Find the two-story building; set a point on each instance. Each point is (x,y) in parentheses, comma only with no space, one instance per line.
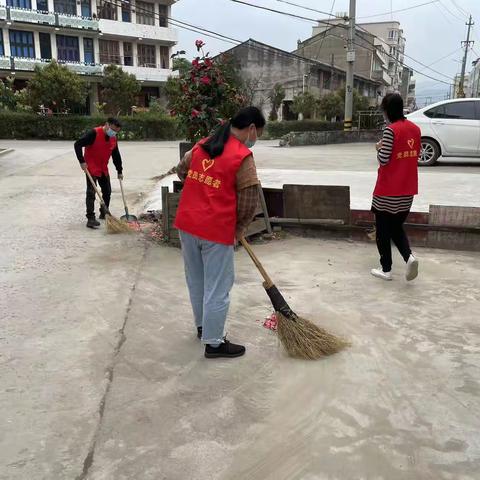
(264,66)
(86,35)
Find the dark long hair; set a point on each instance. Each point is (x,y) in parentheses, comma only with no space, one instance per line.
(392,105)
(245,117)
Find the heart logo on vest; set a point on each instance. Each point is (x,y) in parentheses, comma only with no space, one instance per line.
(206,164)
(411,143)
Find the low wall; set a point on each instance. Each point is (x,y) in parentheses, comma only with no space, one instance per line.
(299,139)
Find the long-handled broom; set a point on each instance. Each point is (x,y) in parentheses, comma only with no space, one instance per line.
(114,225)
(300,337)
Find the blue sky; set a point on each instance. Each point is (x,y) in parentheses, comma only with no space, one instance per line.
(432,31)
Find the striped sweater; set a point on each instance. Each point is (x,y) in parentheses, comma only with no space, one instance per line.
(389,204)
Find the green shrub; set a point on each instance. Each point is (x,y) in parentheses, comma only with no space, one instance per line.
(279,129)
(23,126)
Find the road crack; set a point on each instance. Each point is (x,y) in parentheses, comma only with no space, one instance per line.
(110,371)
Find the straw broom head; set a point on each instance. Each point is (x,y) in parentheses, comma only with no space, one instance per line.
(300,337)
(114,225)
(303,339)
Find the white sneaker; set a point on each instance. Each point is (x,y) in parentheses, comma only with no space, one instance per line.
(376,272)
(412,269)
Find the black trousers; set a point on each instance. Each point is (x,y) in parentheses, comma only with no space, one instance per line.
(104,183)
(390,228)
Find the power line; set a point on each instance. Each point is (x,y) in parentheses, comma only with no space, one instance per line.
(306,8)
(213,34)
(459,8)
(325,35)
(236,42)
(446,56)
(398,11)
(300,17)
(341,26)
(450,12)
(403,53)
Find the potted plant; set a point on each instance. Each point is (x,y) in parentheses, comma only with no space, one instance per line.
(206,92)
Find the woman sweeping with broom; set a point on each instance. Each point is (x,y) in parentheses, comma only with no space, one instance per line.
(218,202)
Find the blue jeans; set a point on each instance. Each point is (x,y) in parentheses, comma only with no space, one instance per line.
(210,274)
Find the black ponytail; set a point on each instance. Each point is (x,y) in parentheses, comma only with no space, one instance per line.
(245,117)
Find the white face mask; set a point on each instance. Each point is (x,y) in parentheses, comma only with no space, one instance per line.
(250,143)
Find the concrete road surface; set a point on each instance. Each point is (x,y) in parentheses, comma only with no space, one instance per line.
(102,377)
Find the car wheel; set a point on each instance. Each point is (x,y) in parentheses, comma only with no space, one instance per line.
(429,154)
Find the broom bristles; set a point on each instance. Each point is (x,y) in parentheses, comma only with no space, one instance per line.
(114,225)
(303,339)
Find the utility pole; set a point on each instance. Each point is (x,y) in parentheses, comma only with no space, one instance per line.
(466,44)
(347,126)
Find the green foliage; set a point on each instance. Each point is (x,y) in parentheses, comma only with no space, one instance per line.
(157,106)
(57,88)
(204,95)
(148,126)
(279,129)
(359,101)
(330,106)
(305,104)
(182,65)
(8,99)
(119,90)
(277,96)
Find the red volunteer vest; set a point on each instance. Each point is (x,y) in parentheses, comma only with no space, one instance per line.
(208,204)
(98,154)
(400,175)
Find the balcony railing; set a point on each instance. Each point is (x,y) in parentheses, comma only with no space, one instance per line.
(73,21)
(48,18)
(30,16)
(29,64)
(5,63)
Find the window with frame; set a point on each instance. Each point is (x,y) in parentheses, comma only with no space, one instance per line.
(392,34)
(107,10)
(163,17)
(86,7)
(145,13)
(42,5)
(20,4)
(67,49)
(88,51)
(45,46)
(65,6)
(22,44)
(126,12)
(460,111)
(327,77)
(109,52)
(128,54)
(164,57)
(454,111)
(2,48)
(146,56)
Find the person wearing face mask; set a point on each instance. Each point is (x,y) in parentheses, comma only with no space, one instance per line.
(100,144)
(218,201)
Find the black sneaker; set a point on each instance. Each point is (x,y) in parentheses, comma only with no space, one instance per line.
(225,350)
(199,332)
(102,214)
(92,223)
